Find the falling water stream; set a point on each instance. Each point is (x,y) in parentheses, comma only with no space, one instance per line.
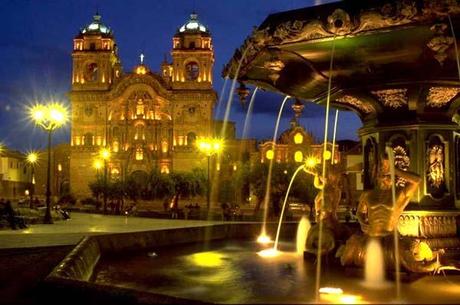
(270,168)
(230,96)
(374,265)
(221,97)
(334,135)
(247,119)
(395,230)
(302,233)
(326,124)
(278,230)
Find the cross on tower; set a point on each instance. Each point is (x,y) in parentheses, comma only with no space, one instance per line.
(142,58)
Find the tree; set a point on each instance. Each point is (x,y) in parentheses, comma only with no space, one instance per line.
(188,184)
(301,189)
(131,188)
(160,185)
(97,188)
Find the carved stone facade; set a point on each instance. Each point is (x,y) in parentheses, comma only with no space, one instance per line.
(147,120)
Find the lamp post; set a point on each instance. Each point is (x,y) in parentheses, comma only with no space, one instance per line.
(49,117)
(32,159)
(104,154)
(209,147)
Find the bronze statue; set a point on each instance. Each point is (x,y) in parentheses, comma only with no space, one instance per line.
(326,203)
(376,213)
(379,216)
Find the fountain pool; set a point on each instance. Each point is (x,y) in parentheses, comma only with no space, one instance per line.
(119,270)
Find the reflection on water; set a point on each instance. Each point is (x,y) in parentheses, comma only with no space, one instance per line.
(232,272)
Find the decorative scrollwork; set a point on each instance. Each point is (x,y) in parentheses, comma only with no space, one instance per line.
(440,43)
(393,98)
(441,96)
(356,103)
(339,22)
(435,159)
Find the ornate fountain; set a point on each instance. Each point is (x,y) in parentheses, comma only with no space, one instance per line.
(395,64)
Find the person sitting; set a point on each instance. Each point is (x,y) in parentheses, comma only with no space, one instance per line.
(14,220)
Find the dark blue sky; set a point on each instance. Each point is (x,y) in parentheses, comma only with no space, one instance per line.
(36,42)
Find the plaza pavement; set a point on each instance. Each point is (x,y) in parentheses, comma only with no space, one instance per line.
(70,232)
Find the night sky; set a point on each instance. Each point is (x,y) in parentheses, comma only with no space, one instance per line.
(36,44)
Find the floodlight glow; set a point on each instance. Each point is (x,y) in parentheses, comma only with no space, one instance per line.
(104,153)
(32,157)
(263,239)
(310,162)
(97,164)
(50,116)
(272,252)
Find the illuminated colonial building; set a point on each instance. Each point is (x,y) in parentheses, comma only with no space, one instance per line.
(295,144)
(15,174)
(149,120)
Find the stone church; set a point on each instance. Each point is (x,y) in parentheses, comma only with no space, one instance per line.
(148,120)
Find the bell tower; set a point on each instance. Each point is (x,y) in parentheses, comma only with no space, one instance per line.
(192,56)
(95,60)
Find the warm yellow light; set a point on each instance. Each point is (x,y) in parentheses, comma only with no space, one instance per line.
(98,164)
(141,70)
(207,259)
(336,296)
(331,290)
(327,155)
(38,113)
(310,162)
(59,167)
(270,154)
(298,138)
(104,153)
(210,146)
(32,157)
(49,116)
(272,252)
(263,239)
(298,156)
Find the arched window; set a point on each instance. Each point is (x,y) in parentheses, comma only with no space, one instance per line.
(115,146)
(115,174)
(164,169)
(140,108)
(88,139)
(164,146)
(139,154)
(192,71)
(191,139)
(298,138)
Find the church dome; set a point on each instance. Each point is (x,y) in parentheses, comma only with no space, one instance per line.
(96,27)
(193,25)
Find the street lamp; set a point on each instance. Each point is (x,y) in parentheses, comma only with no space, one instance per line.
(32,159)
(104,154)
(49,117)
(209,147)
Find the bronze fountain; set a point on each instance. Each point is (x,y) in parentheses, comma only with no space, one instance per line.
(395,64)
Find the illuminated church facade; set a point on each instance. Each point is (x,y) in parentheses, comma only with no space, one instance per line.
(148,120)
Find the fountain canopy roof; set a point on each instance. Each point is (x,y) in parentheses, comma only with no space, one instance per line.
(384,54)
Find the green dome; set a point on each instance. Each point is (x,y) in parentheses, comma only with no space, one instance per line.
(96,27)
(193,25)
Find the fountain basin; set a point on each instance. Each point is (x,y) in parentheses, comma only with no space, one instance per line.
(119,269)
